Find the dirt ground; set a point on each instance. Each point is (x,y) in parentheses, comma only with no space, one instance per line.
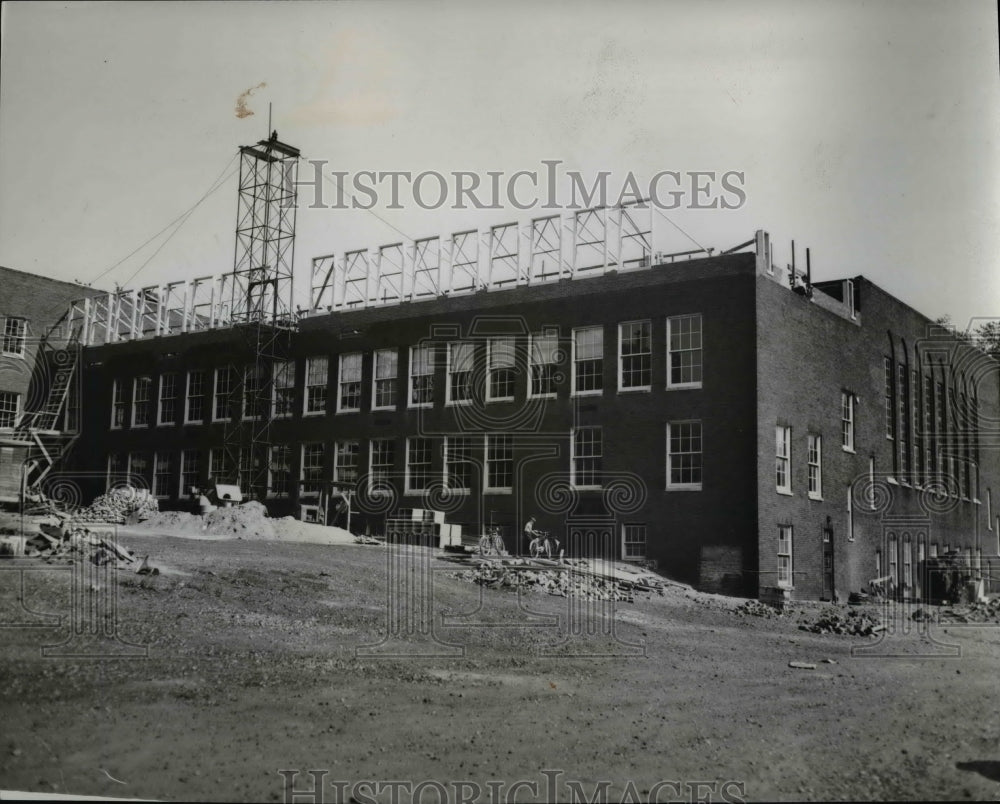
(247,665)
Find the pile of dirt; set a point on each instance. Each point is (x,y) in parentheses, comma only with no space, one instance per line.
(246,521)
(854,622)
(118,506)
(556,581)
(755,608)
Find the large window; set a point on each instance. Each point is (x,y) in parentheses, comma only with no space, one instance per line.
(167,409)
(317,376)
(279,470)
(588,360)
(634,542)
(386,372)
(381,461)
(684,465)
(783,459)
(890,400)
(15,331)
(499,462)
(163,474)
(585,460)
(634,356)
(847,421)
(349,385)
(815,450)
(223,393)
(190,470)
(116,468)
(421,376)
(345,465)
(418,464)
(10,404)
(119,404)
(218,464)
(283,389)
(138,468)
(458,463)
(784,555)
(141,388)
(194,406)
(903,397)
(460,364)
(542,360)
(501,372)
(254,406)
(311,474)
(684,347)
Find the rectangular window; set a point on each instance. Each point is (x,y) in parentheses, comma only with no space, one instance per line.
(634,542)
(381,461)
(116,470)
(283,389)
(930,445)
(500,369)
(311,473)
(349,386)
(190,470)
(499,462)
(585,460)
(345,465)
(15,331)
(588,360)
(10,404)
(684,465)
(893,550)
(783,459)
(460,364)
(163,474)
(223,393)
(458,463)
(218,465)
(418,464)
(141,387)
(279,470)
(253,383)
(386,371)
(543,365)
(784,555)
(167,409)
(684,344)
(317,378)
(850,514)
(119,404)
(138,468)
(915,422)
(890,401)
(421,376)
(194,406)
(634,356)
(940,427)
(903,431)
(847,421)
(815,449)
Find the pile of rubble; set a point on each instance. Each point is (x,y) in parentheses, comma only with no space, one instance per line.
(754,608)
(978,612)
(70,542)
(854,622)
(118,506)
(246,521)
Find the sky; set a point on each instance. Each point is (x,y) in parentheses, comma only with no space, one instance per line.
(867,131)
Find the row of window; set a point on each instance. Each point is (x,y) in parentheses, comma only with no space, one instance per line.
(494,452)
(474,370)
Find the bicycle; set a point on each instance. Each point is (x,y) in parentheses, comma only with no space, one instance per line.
(543,545)
(491,542)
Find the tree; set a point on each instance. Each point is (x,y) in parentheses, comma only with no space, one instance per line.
(987,337)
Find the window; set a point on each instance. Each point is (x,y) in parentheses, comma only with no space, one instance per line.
(223,392)
(989,509)
(784,555)
(458,463)
(815,449)
(684,455)
(349,387)
(279,470)
(317,375)
(928,427)
(138,469)
(345,464)
(542,357)
(499,462)
(381,461)
(500,377)
(119,405)
(421,376)
(312,467)
(783,462)
(194,406)
(116,468)
(167,409)
(893,550)
(10,405)
(218,464)
(915,424)
(460,363)
(163,474)
(850,514)
(634,355)
(386,371)
(283,388)
(14,332)
(585,461)
(253,381)
(634,542)
(684,351)
(140,401)
(418,464)
(934,550)
(847,421)
(940,425)
(190,466)
(903,428)
(890,406)
(588,360)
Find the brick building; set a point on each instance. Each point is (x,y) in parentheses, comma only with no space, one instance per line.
(700,413)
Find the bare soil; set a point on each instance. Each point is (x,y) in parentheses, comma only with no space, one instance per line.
(251,668)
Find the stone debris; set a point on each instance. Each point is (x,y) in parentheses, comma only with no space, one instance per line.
(118,506)
(853,622)
(985,611)
(72,541)
(754,608)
